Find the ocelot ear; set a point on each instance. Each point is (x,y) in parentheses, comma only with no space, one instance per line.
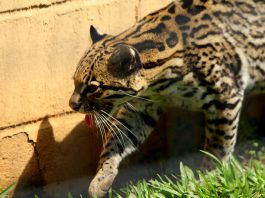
(123,61)
(95,35)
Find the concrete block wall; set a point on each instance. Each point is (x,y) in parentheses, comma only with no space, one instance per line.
(41,41)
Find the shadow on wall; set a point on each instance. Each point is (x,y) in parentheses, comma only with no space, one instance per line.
(73,160)
(57,168)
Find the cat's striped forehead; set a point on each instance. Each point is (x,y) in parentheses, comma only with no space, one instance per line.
(84,72)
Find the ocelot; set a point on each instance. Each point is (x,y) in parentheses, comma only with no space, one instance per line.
(203,55)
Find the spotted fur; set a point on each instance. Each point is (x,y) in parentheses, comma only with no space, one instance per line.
(203,55)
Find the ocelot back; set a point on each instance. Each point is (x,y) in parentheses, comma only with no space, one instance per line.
(203,55)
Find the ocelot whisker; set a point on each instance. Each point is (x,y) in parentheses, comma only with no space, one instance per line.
(118,122)
(98,126)
(121,132)
(111,128)
(102,124)
(112,125)
(102,121)
(92,117)
(131,106)
(138,97)
(108,127)
(105,122)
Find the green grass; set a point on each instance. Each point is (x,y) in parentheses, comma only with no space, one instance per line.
(227,180)
(4,192)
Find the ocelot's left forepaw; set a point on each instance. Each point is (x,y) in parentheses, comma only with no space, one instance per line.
(102,183)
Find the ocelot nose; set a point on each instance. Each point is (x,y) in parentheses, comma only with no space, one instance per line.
(74,102)
(74,106)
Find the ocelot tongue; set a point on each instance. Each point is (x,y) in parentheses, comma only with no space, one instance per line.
(89,121)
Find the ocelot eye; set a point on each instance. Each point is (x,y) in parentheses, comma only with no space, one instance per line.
(89,89)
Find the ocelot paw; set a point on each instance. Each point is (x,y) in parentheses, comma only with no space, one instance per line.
(102,183)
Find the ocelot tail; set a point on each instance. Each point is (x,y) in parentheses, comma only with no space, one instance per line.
(203,55)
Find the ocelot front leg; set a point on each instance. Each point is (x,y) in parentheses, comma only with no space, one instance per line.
(222,119)
(127,129)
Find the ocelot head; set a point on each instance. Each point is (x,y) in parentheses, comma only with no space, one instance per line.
(108,75)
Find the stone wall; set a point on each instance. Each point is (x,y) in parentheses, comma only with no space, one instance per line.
(41,41)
